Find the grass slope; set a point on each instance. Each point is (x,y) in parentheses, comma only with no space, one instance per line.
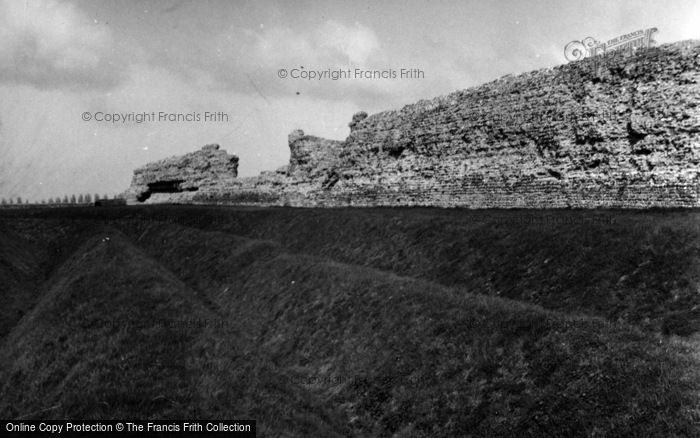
(403,342)
(30,251)
(118,336)
(19,263)
(640,267)
(404,357)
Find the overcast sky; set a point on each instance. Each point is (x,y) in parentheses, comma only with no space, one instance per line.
(61,59)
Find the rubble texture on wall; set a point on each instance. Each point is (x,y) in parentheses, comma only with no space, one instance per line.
(202,169)
(620,133)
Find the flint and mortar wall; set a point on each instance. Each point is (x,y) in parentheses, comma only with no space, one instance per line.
(624,132)
(207,167)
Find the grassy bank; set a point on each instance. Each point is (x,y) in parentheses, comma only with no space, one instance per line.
(303,340)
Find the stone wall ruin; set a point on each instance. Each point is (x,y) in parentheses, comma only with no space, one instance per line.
(624,133)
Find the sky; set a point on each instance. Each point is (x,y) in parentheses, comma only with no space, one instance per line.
(237,73)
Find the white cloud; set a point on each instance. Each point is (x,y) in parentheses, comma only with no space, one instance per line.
(49,43)
(331,44)
(247,60)
(356,43)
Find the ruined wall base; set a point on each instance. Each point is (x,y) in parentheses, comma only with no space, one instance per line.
(531,195)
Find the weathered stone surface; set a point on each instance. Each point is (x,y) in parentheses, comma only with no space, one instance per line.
(622,133)
(310,157)
(356,119)
(206,168)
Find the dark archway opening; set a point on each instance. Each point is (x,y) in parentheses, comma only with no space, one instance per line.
(169,186)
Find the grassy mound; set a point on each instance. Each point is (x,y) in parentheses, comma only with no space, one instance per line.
(639,267)
(312,345)
(19,263)
(412,358)
(118,336)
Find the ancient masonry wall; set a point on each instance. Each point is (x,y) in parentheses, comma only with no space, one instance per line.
(203,169)
(621,133)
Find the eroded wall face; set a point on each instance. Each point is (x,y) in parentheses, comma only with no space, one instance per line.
(311,157)
(620,132)
(625,134)
(206,168)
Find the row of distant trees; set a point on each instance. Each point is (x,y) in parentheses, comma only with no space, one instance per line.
(72,199)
